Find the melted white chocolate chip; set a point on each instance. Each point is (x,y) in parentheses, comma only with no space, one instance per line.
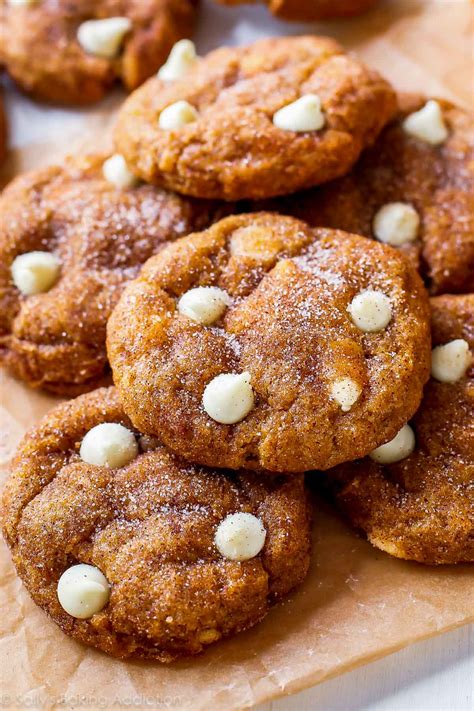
(109,445)
(304,114)
(103,38)
(396,223)
(370,310)
(450,361)
(83,591)
(345,392)
(427,124)
(240,536)
(204,304)
(228,398)
(180,60)
(400,447)
(35,272)
(117,172)
(177,115)
(252,243)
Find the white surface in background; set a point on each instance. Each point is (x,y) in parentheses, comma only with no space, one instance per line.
(436,675)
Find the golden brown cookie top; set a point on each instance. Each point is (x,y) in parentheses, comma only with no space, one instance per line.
(437,181)
(45,48)
(422,507)
(310,10)
(230,140)
(323,339)
(98,235)
(150,527)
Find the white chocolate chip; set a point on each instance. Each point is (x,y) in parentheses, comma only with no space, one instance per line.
(252,243)
(35,272)
(427,124)
(228,398)
(450,362)
(177,115)
(396,223)
(370,310)
(116,172)
(180,60)
(83,591)
(400,447)
(205,304)
(103,38)
(240,536)
(109,445)
(345,392)
(21,3)
(304,114)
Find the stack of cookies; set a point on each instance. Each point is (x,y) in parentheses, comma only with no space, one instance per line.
(276,268)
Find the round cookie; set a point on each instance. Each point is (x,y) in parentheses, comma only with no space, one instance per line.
(281,377)
(256,121)
(153,528)
(96,236)
(46,50)
(436,180)
(422,507)
(310,10)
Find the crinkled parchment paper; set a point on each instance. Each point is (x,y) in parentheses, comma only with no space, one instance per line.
(357,604)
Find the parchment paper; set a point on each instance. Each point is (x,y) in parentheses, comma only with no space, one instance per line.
(357,604)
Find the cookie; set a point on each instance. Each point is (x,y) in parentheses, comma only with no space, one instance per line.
(73,51)
(171,557)
(256,121)
(416,501)
(69,241)
(262,343)
(310,10)
(409,192)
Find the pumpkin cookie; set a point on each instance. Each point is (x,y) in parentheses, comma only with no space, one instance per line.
(135,552)
(266,344)
(71,236)
(414,189)
(73,51)
(257,121)
(310,10)
(415,497)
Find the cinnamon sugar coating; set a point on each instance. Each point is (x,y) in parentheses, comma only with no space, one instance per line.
(438,181)
(56,340)
(39,47)
(149,527)
(310,10)
(422,508)
(287,326)
(233,150)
